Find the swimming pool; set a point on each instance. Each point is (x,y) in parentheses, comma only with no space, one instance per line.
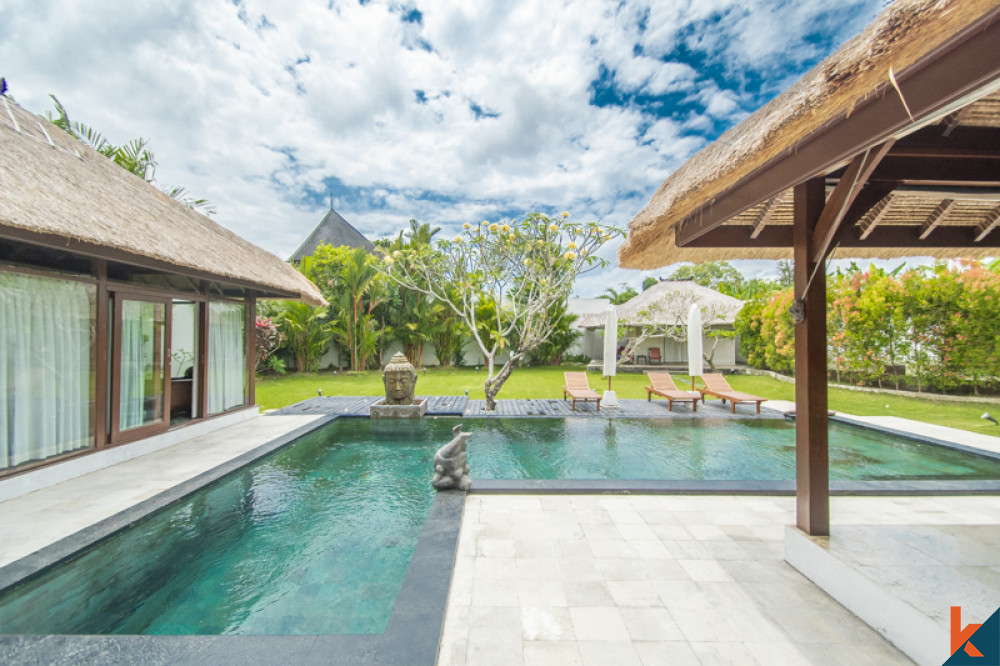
(316,538)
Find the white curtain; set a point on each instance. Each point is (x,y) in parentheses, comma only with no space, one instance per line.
(137,353)
(226,359)
(46,333)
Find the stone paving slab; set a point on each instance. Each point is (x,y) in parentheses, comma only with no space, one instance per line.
(640,579)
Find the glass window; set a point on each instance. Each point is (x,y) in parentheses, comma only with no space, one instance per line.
(47,329)
(226,356)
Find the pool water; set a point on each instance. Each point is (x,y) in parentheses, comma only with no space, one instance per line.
(314,539)
(317,537)
(700,449)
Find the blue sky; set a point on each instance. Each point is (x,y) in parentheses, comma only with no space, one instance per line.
(447,112)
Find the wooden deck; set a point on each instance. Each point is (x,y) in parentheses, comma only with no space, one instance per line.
(462,406)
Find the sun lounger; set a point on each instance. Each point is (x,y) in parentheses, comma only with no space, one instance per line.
(716,385)
(578,388)
(663,385)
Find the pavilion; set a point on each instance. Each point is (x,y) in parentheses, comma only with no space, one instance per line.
(890,147)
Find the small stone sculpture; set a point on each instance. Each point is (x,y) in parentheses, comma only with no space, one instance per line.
(451,469)
(400,379)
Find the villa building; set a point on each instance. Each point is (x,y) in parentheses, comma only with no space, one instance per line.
(125,314)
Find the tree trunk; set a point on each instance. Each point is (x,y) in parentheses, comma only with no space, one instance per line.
(493,385)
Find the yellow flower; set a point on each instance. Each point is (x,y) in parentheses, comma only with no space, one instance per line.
(466,226)
(485,223)
(458,239)
(494,226)
(565,214)
(527,261)
(570,255)
(396,253)
(388,259)
(505,228)
(583,252)
(607,237)
(511,237)
(553,228)
(571,245)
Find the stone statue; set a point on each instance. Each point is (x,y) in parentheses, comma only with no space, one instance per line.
(451,469)
(400,379)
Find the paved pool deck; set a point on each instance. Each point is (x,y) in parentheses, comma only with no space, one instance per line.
(585,578)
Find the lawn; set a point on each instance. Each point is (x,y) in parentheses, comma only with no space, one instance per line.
(546,382)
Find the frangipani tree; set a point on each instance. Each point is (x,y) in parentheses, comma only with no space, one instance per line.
(518,268)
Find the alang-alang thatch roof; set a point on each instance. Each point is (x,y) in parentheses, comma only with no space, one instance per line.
(914,96)
(57,192)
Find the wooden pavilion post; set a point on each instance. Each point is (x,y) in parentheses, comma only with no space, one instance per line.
(812,473)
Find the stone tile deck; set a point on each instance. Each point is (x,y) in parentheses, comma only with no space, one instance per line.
(638,579)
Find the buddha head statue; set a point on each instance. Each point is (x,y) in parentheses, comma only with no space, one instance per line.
(400,379)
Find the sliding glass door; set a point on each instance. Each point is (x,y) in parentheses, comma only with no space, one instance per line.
(141,369)
(46,368)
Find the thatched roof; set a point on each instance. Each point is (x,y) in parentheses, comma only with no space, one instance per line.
(742,182)
(56,191)
(333,230)
(668,302)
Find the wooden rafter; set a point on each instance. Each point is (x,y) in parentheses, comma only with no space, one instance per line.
(765,216)
(989,223)
(935,218)
(874,216)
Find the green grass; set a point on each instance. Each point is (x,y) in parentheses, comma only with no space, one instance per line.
(546,382)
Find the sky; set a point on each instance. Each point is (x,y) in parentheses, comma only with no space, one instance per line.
(444,112)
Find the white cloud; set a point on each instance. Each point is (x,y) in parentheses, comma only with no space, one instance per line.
(257,105)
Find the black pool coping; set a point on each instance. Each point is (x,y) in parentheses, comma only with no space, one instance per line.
(412,635)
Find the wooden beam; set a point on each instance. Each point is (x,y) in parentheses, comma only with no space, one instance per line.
(842,197)
(812,469)
(765,216)
(973,142)
(250,348)
(988,224)
(935,218)
(933,171)
(102,346)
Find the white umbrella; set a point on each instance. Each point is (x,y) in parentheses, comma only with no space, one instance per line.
(610,354)
(695,365)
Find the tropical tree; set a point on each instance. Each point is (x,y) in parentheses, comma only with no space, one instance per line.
(620,296)
(267,340)
(716,275)
(307,331)
(517,269)
(350,282)
(563,335)
(134,156)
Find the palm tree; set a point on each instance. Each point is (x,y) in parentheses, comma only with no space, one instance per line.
(134,156)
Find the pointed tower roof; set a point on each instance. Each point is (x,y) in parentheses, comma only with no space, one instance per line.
(336,231)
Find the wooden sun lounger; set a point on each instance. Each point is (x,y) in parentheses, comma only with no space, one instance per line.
(578,388)
(663,385)
(716,385)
